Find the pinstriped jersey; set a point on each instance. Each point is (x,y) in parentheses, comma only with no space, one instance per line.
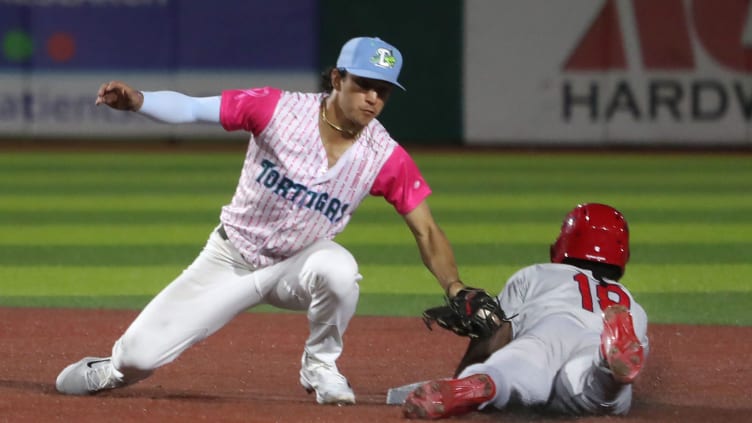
(288,197)
(541,290)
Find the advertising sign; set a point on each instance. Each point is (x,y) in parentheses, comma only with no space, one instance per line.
(608,72)
(56,53)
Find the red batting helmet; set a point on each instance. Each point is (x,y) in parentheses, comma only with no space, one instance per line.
(593,232)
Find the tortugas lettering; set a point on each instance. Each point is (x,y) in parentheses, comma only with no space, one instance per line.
(332,208)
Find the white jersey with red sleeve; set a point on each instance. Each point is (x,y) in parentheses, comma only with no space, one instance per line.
(288,197)
(538,291)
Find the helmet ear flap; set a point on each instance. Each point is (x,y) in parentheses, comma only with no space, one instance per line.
(551,252)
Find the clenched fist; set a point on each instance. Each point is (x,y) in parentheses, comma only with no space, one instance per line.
(120,96)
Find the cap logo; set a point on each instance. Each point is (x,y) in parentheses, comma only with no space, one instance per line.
(384,58)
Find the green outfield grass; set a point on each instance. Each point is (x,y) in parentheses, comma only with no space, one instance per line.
(111,229)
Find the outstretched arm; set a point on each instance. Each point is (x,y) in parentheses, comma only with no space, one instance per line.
(435,249)
(164,106)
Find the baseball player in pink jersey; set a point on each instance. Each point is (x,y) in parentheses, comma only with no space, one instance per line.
(312,158)
(576,339)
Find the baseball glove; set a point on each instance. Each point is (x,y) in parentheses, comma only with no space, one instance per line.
(472,313)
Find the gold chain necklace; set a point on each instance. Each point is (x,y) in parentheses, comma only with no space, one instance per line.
(336,127)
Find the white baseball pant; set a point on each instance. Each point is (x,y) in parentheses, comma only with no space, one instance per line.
(322,278)
(555,366)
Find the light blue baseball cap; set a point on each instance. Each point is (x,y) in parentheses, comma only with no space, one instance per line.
(371,57)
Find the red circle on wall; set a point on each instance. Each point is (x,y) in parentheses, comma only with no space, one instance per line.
(61,47)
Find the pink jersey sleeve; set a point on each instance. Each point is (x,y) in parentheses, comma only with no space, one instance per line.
(400,182)
(250,109)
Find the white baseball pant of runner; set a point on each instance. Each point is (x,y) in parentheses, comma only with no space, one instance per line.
(554,366)
(323,279)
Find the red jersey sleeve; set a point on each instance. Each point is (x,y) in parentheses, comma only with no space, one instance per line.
(250,109)
(400,182)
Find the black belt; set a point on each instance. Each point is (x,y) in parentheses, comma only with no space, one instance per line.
(222,233)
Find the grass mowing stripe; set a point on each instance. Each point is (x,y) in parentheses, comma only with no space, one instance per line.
(524,254)
(111,201)
(110,217)
(126,190)
(582,163)
(117,162)
(623,184)
(70,280)
(561,203)
(467,254)
(706,278)
(546,216)
(107,234)
(429,161)
(201,183)
(685,308)
(597,189)
(640,278)
(377,278)
(688,215)
(502,232)
(124,183)
(626,202)
(394,290)
(210,213)
(124,302)
(533,175)
(83,179)
(714,307)
(138,280)
(537,176)
(594,188)
(98,255)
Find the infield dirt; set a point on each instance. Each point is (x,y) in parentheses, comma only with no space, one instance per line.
(248,371)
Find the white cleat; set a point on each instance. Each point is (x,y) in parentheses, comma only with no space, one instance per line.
(326,380)
(88,376)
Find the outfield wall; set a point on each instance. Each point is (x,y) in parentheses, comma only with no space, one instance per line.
(57,52)
(480,72)
(608,71)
